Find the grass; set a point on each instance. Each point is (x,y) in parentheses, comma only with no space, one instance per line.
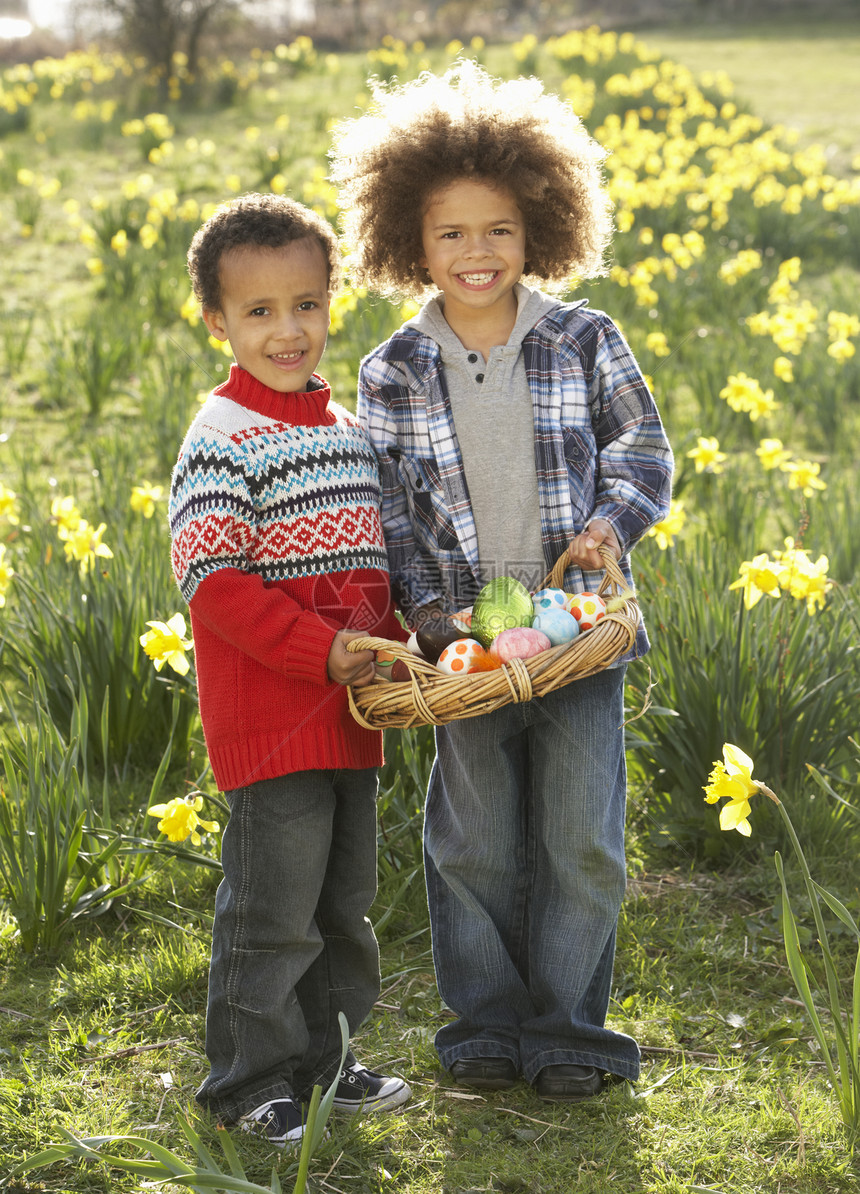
(106,1035)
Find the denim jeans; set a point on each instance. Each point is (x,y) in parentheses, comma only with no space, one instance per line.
(291,942)
(524,853)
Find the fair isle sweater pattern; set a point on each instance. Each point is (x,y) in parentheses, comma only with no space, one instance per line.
(275,499)
(276,545)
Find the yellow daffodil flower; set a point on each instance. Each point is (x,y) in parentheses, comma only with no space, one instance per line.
(731,780)
(805,579)
(658,344)
(744,394)
(178,819)
(65,515)
(842,326)
(6,574)
(803,475)
(707,455)
(841,351)
(783,368)
(664,532)
(84,544)
(165,643)
(144,497)
(759,578)
(772,454)
(8,505)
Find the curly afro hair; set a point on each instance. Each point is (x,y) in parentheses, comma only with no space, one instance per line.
(262,220)
(417,138)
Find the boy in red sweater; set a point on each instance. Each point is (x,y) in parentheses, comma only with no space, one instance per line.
(277,547)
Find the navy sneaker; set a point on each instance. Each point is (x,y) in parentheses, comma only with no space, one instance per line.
(280,1122)
(359,1089)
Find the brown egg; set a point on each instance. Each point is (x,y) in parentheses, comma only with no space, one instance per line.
(434,635)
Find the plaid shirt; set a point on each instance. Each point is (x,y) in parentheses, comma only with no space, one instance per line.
(599,445)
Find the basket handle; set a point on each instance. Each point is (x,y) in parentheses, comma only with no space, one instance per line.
(399,650)
(612,576)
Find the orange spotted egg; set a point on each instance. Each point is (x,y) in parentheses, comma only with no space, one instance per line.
(463,657)
(587,608)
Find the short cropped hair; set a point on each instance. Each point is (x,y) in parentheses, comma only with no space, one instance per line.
(262,220)
(417,138)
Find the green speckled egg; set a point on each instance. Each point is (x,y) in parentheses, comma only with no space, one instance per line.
(501,605)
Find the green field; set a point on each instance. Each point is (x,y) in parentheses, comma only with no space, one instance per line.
(735,278)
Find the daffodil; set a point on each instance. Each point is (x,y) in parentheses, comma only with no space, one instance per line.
(759,577)
(744,393)
(664,532)
(803,475)
(8,504)
(6,574)
(165,643)
(707,455)
(805,579)
(658,344)
(84,544)
(841,351)
(144,497)
(178,819)
(65,515)
(772,454)
(731,780)
(783,368)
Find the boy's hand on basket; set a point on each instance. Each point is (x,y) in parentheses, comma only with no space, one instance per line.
(344,667)
(583,548)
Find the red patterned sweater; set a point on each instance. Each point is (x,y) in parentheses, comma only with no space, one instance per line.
(276,545)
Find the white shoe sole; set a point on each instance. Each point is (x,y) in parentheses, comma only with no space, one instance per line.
(384,1101)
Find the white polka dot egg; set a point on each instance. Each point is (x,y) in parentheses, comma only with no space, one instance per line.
(587,608)
(549,599)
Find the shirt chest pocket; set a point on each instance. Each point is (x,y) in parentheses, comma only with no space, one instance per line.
(580,456)
(427,507)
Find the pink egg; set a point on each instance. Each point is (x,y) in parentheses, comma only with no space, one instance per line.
(519,642)
(464,657)
(587,608)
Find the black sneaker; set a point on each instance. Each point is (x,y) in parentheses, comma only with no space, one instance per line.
(359,1089)
(280,1122)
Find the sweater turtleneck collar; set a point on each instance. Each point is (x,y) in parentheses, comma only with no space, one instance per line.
(306,408)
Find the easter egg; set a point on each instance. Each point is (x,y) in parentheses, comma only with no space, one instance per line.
(501,605)
(434,634)
(518,642)
(412,644)
(557,624)
(384,664)
(463,618)
(549,599)
(463,657)
(588,609)
(400,672)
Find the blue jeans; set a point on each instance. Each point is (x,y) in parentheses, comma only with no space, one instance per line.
(524,853)
(291,942)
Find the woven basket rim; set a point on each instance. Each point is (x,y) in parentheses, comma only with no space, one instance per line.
(431,697)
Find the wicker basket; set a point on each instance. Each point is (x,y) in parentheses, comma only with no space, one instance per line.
(431,697)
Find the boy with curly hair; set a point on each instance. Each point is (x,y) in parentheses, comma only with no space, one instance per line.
(277,547)
(510,427)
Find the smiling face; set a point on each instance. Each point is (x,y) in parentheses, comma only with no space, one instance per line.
(474,243)
(274,311)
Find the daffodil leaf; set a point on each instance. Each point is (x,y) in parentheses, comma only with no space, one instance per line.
(203,1154)
(837,907)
